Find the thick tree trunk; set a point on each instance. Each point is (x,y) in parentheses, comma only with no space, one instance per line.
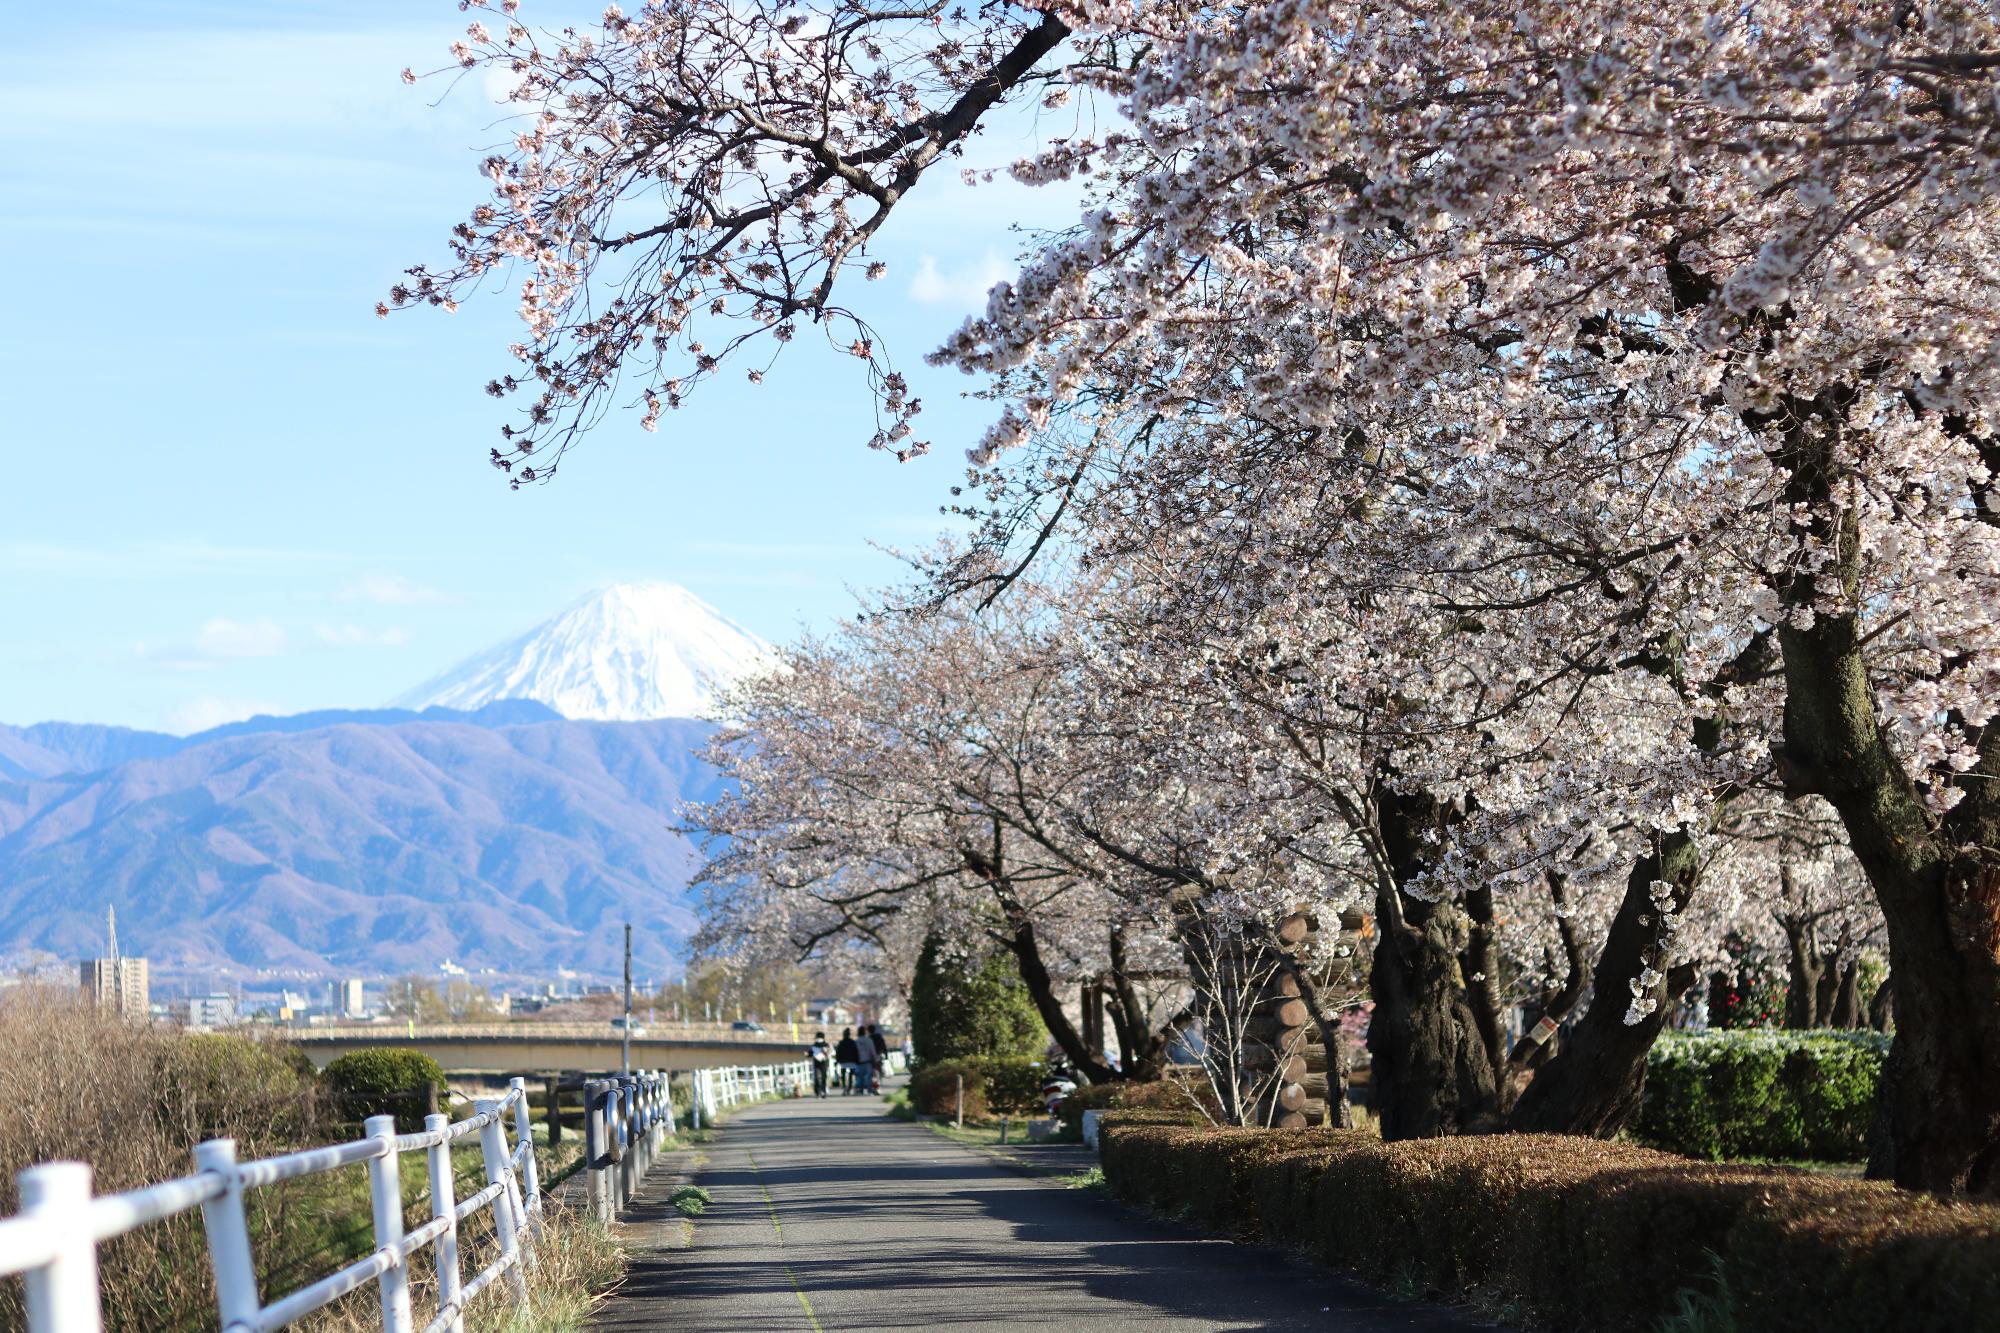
(1431,1073)
(1846,1013)
(1882,1006)
(1938,885)
(1594,1086)
(1805,971)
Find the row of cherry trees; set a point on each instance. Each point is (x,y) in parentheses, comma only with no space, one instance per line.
(1488,467)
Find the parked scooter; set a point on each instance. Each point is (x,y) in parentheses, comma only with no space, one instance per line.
(1057,1085)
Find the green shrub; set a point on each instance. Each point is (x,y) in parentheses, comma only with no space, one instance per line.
(934,1088)
(971,1009)
(1014,1086)
(1160,1095)
(1010,1087)
(389,1081)
(1763,1093)
(1582,1233)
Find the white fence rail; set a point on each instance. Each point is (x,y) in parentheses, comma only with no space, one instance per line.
(715,1090)
(52,1243)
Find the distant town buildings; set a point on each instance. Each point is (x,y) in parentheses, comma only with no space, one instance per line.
(122,985)
(119,984)
(348,998)
(208,1011)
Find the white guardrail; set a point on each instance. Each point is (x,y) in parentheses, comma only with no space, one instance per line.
(52,1243)
(715,1090)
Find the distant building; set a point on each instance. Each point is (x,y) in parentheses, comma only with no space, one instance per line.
(829,1011)
(349,998)
(121,985)
(209,1011)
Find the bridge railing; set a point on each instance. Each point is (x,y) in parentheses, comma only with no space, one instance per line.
(780,1032)
(52,1243)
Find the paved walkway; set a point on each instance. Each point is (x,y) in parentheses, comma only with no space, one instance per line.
(828,1215)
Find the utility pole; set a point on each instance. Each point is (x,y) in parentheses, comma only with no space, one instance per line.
(628,997)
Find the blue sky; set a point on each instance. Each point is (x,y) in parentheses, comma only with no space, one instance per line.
(228,488)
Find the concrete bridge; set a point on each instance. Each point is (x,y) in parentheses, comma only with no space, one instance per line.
(544,1048)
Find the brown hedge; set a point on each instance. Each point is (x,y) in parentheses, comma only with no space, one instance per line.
(1583,1233)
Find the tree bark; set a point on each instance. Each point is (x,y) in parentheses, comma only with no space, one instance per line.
(1023,943)
(1432,1074)
(1805,972)
(1142,1052)
(1846,1013)
(1938,884)
(1594,1085)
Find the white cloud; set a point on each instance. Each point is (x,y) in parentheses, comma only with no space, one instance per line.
(390,590)
(964,287)
(263,637)
(353,636)
(201,714)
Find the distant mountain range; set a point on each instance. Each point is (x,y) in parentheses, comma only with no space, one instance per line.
(496,832)
(625,653)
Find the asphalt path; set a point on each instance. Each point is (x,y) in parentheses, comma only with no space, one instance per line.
(828,1215)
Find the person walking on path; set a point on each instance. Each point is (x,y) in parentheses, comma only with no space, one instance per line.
(849,1056)
(864,1059)
(881,1053)
(821,1056)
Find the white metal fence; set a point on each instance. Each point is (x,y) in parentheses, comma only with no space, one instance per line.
(52,1243)
(715,1090)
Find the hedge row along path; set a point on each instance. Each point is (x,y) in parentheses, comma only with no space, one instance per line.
(828,1215)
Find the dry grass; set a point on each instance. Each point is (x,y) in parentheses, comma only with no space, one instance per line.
(133,1100)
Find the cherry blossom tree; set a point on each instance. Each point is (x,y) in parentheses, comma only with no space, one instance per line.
(1648,350)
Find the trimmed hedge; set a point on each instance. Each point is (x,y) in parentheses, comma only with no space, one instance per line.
(1763,1093)
(1583,1233)
(386,1081)
(992,1087)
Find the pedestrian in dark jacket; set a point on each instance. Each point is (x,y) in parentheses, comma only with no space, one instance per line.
(849,1056)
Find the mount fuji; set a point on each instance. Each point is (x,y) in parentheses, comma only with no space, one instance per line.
(627,653)
(511,816)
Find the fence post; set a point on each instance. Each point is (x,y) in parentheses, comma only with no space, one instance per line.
(493,1145)
(667,1102)
(596,1158)
(228,1229)
(553,1085)
(524,1132)
(385,1194)
(624,1140)
(62,1294)
(697,1080)
(444,1203)
(958,1100)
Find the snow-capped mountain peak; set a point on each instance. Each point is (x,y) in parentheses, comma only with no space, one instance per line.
(625,653)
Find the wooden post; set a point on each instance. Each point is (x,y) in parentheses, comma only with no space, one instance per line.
(552,1087)
(958,1100)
